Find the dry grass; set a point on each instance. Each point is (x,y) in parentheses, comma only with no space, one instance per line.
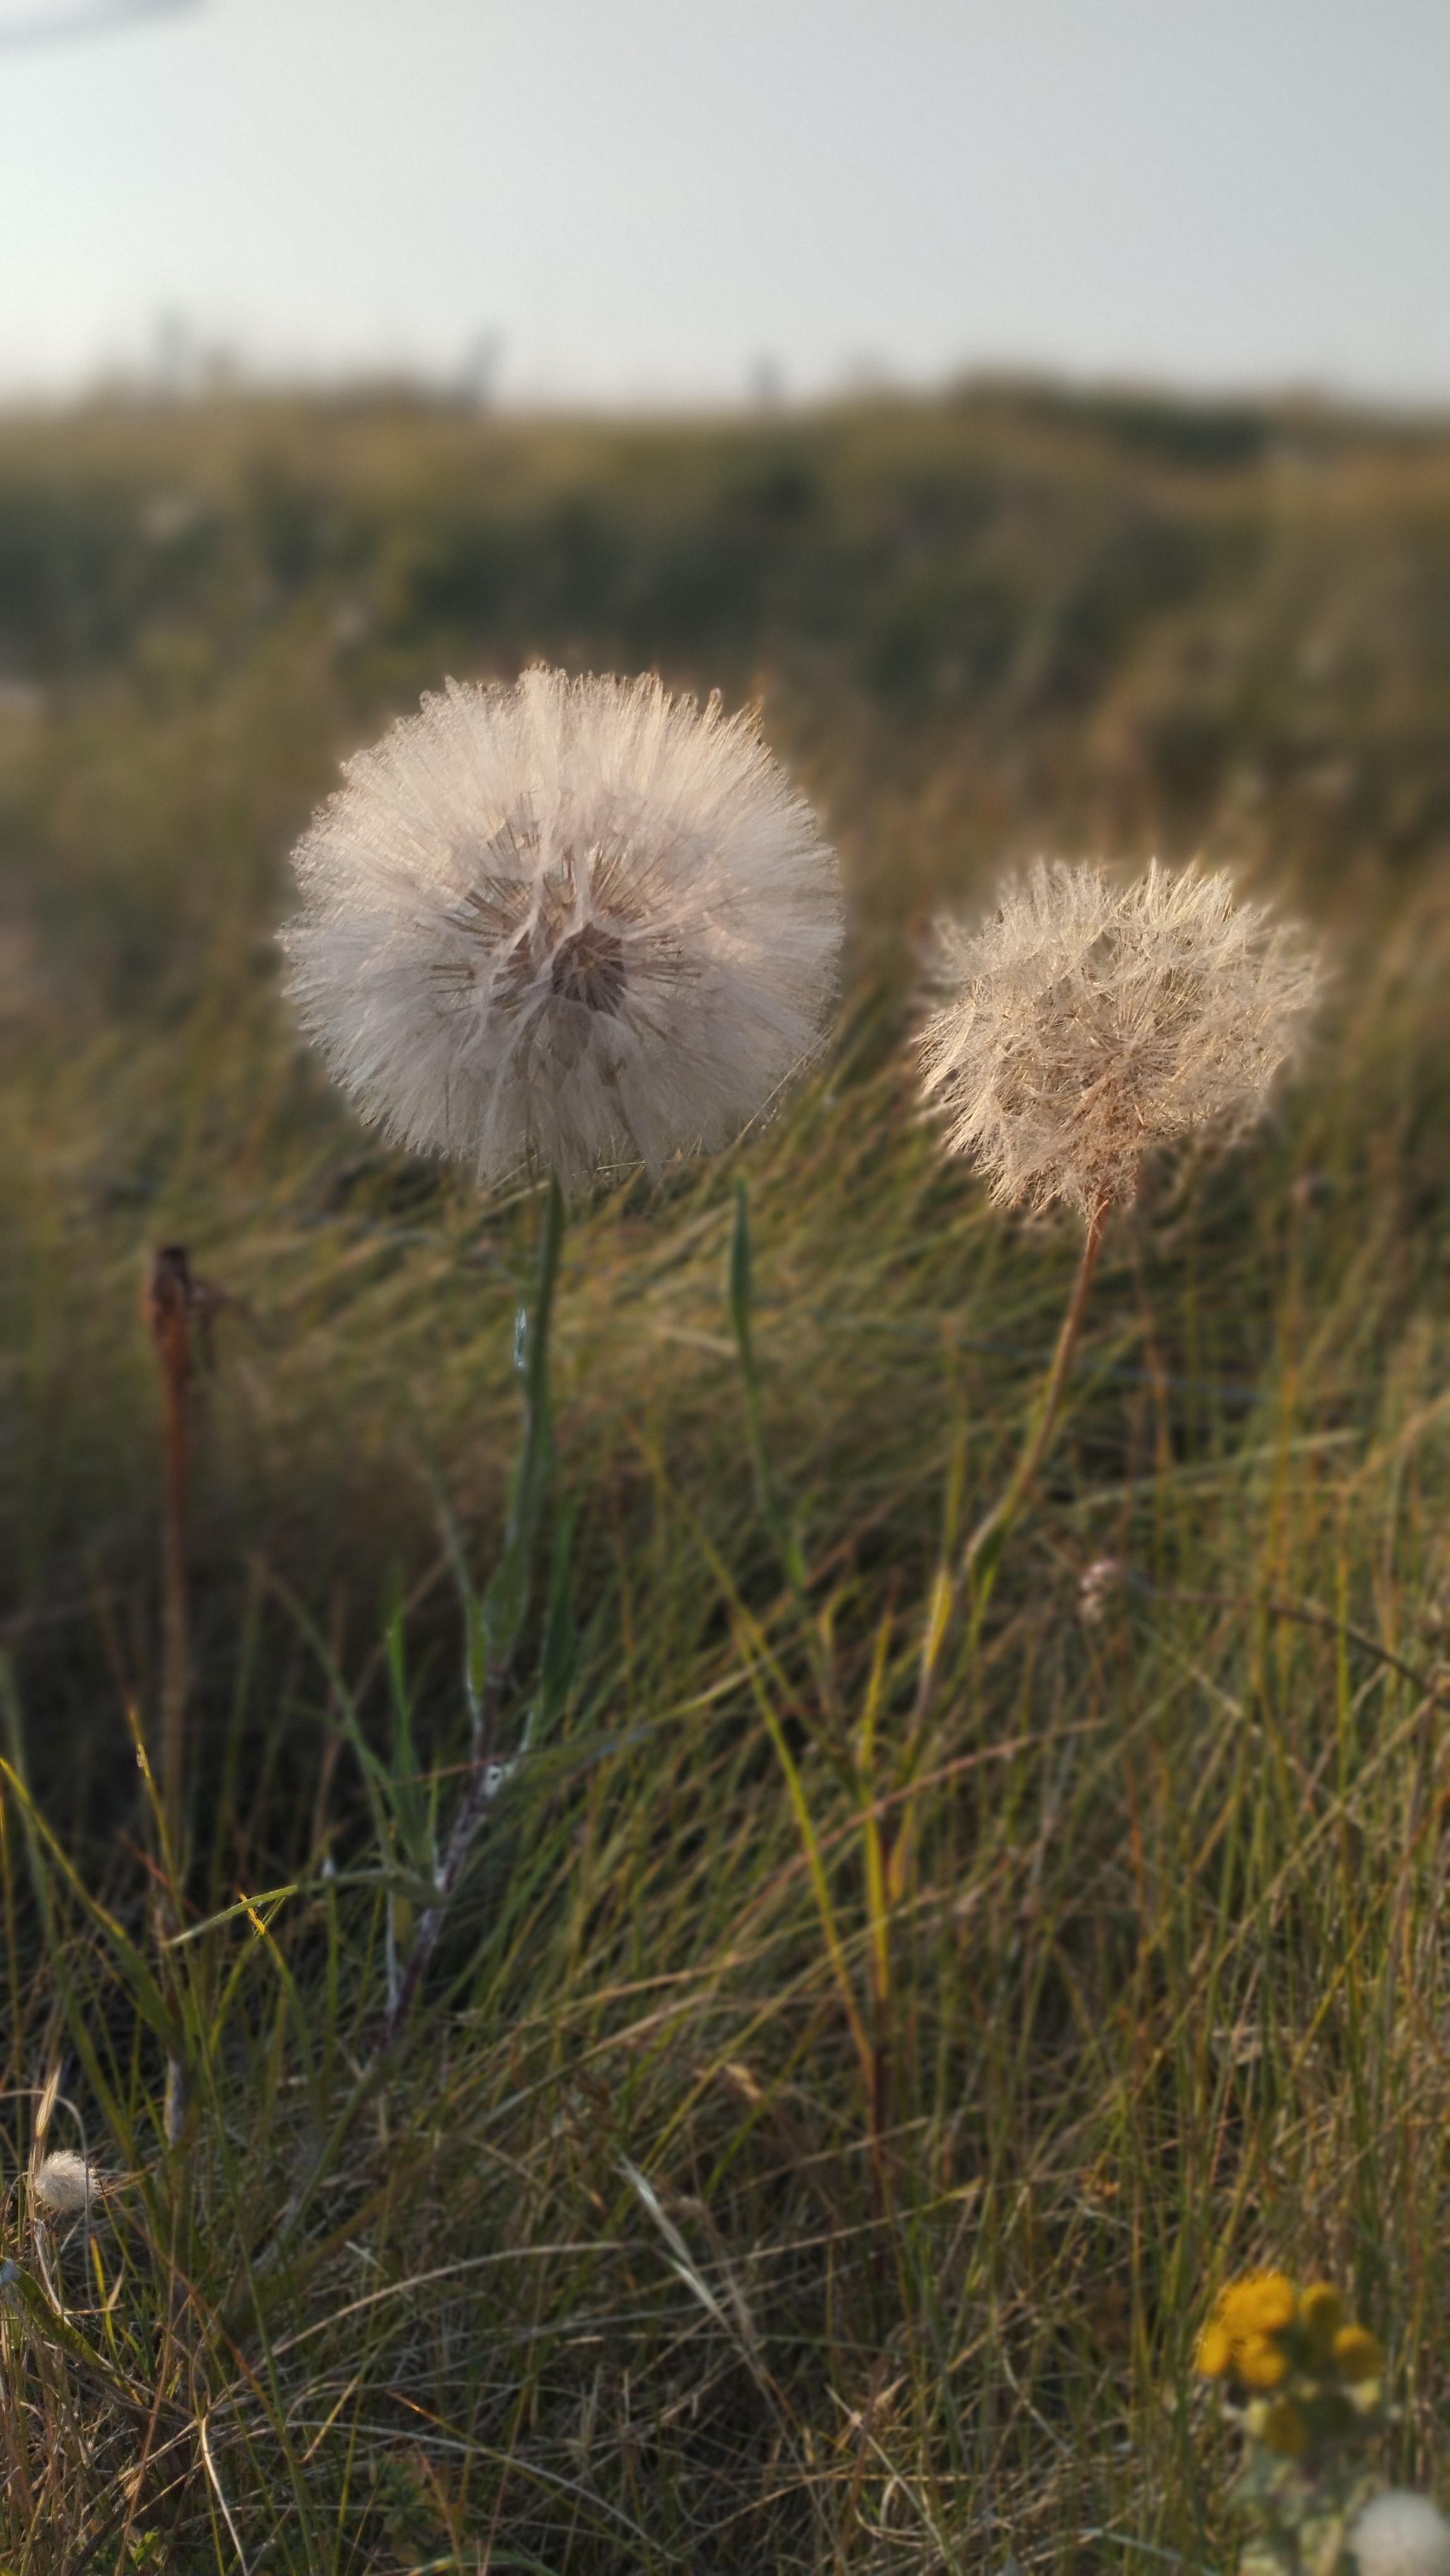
(820,2142)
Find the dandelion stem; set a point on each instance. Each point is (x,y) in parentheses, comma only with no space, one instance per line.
(484,1781)
(979,1556)
(495,1624)
(978,1566)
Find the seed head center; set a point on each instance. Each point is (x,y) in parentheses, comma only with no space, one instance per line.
(589,969)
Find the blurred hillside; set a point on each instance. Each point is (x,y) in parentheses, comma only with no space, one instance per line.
(978,627)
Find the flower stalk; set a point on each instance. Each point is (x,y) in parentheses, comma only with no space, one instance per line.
(494,1625)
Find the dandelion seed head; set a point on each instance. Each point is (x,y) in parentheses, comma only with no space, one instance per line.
(61,2186)
(1401,2534)
(569,920)
(1089,1020)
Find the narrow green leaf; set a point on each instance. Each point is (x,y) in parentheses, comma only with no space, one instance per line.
(560,1642)
(740,1283)
(145,1991)
(506,1600)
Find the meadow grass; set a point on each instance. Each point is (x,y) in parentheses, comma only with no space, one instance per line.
(822,2137)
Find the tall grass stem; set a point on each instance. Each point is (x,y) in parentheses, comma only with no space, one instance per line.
(169,1304)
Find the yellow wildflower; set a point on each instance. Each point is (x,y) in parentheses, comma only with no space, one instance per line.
(1322,2310)
(1285,2429)
(1259,2305)
(1215,2350)
(1357,2353)
(1259,2363)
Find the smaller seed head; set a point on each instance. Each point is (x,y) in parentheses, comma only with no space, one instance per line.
(61,2187)
(1087,1020)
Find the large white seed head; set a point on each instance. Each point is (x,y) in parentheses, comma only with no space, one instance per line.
(1401,2534)
(569,920)
(1088,1020)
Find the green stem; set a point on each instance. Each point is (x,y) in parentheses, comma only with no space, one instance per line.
(490,1647)
(493,1633)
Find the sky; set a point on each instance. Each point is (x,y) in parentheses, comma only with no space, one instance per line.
(681,201)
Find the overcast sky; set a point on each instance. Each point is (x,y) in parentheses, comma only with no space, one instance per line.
(659,199)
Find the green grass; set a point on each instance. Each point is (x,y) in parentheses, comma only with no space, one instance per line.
(819,2147)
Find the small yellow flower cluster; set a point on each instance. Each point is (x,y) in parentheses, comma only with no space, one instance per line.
(1309,2376)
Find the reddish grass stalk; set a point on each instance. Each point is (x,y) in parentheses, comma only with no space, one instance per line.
(1049,1403)
(979,1556)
